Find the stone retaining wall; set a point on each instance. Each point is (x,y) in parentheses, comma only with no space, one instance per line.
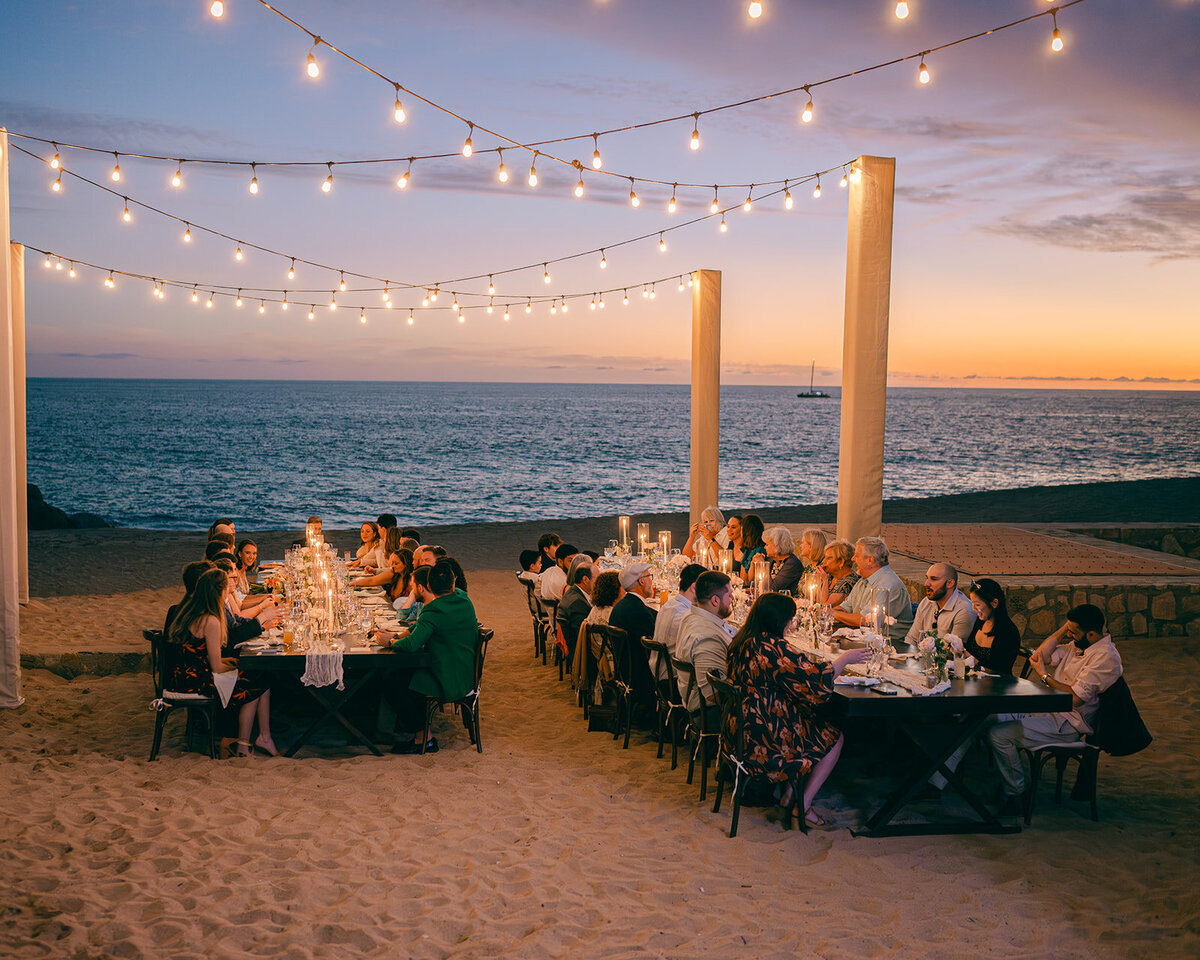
(1156,610)
(1179,541)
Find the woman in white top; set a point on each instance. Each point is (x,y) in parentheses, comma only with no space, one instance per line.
(708,534)
(368,552)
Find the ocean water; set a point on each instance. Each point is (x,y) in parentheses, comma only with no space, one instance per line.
(173,454)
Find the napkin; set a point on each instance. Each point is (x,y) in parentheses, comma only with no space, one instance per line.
(847,681)
(225,682)
(922,692)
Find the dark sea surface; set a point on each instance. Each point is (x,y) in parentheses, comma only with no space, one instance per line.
(173,454)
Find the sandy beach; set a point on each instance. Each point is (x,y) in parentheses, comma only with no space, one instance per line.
(552,843)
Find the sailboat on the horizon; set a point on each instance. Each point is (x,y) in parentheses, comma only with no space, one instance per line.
(811,393)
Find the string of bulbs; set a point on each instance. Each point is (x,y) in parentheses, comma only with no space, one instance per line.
(208,293)
(537,147)
(850,173)
(754,9)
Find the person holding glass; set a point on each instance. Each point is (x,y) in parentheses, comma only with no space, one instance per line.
(789,740)
(706,535)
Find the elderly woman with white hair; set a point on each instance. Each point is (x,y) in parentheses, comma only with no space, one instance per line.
(708,534)
(786,568)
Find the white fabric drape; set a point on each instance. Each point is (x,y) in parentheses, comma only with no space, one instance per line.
(706,389)
(11,518)
(865,348)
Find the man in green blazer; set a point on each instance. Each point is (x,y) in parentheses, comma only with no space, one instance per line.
(449,630)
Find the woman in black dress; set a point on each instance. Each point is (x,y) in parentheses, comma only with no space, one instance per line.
(197,635)
(994,641)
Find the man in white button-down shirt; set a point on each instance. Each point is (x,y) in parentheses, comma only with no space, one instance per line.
(944,604)
(1079,658)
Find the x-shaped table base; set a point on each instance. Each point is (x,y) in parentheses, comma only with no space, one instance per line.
(332,702)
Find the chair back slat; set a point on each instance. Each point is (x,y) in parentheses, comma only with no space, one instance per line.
(729,697)
(157,665)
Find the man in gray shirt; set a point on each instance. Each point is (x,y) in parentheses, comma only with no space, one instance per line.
(704,639)
(880,588)
(944,604)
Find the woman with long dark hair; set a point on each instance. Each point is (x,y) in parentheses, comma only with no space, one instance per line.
(994,641)
(198,633)
(752,543)
(787,739)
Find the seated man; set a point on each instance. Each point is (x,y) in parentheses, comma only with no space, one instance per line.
(879,589)
(554,579)
(576,602)
(631,614)
(548,544)
(704,639)
(449,630)
(666,627)
(1085,666)
(944,606)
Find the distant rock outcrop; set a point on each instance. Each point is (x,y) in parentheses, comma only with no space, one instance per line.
(42,516)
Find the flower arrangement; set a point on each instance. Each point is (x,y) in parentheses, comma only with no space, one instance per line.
(937,650)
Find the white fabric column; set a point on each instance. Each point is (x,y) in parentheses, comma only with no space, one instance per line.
(10,610)
(865,347)
(16,277)
(706,388)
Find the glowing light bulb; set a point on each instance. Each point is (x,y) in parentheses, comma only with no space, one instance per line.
(411,320)
(327,183)
(342,280)
(788,203)
(333,301)
(284,305)
(553,309)
(1056,40)
(714,206)
(116,170)
(625,299)
(817,191)
(645,294)
(253,179)
(843,181)
(217,9)
(434,295)
(490,308)
(506,313)
(177,179)
(454,306)
(633,197)
(398,110)
(672,206)
(238,301)
(56,186)
(602,302)
(313,68)
(209,303)
(579,188)
(749,204)
(545,273)
(126,215)
(724,225)
(563,306)
(467,148)
(533,177)
(56,160)
(262,307)
(109,282)
(239,256)
(603,261)
(901,10)
(855,175)
(46,264)
(597,163)
(461,318)
(362,316)
(681,288)
(593,304)
(694,143)
(755,10)
(402,180)
(491,287)
(923,72)
(653,294)
(425,301)
(662,244)
(195,296)
(387,296)
(71,272)
(312,313)
(502,172)
(292,270)
(528,307)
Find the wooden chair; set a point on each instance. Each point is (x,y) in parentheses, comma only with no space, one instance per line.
(538,615)
(1088,758)
(593,634)
(468,705)
(732,748)
(696,735)
(615,644)
(550,610)
(166,700)
(669,706)
(1023,655)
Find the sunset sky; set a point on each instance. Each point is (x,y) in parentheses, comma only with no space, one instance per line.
(1047,211)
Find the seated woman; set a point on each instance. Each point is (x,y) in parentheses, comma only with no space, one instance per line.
(812,555)
(409,609)
(606,591)
(839,566)
(191,573)
(752,545)
(368,551)
(994,640)
(734,526)
(400,590)
(247,564)
(383,578)
(238,626)
(197,636)
(786,568)
(788,737)
(449,629)
(706,535)
(460,578)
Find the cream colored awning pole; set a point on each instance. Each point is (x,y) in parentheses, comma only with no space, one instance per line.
(10,516)
(16,277)
(865,348)
(706,389)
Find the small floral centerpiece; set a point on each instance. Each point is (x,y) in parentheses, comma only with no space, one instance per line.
(936,651)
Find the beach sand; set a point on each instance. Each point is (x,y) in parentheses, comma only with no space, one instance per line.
(552,843)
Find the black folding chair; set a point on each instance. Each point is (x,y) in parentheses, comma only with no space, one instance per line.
(538,615)
(697,736)
(616,645)
(161,669)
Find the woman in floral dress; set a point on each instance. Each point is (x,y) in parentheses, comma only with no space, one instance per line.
(197,635)
(787,739)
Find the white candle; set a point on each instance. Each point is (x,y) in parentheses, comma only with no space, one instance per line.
(623,531)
